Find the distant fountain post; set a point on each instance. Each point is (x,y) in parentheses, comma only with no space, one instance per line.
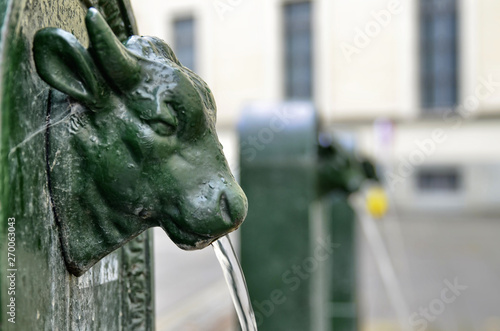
(278,146)
(298,244)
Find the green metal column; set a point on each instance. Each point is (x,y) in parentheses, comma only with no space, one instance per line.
(278,169)
(343,305)
(36,291)
(298,244)
(340,174)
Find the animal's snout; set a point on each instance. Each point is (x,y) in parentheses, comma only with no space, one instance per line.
(233,207)
(216,211)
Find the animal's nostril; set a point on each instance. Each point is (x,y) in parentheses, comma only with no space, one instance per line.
(224,209)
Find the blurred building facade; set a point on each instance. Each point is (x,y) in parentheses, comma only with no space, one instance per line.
(415,84)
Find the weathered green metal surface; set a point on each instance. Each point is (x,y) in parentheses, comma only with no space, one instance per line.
(126,141)
(278,167)
(342,307)
(116,294)
(341,173)
(298,247)
(130,143)
(338,169)
(137,146)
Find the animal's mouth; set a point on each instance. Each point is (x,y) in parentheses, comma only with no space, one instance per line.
(186,240)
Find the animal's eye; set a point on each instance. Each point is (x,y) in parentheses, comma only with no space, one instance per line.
(162,128)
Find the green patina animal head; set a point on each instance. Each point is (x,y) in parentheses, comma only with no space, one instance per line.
(133,146)
(341,170)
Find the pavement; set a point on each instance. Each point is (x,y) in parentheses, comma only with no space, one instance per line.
(446,272)
(191,294)
(447,269)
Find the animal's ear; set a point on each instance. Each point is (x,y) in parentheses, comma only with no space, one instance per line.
(66,65)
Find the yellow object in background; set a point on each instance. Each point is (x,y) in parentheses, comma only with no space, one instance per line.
(376,202)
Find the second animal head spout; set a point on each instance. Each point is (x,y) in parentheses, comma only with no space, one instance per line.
(143,152)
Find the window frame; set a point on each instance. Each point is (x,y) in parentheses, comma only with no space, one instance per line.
(288,90)
(192,64)
(429,106)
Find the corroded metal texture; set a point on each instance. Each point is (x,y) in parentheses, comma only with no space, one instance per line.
(118,14)
(131,145)
(46,296)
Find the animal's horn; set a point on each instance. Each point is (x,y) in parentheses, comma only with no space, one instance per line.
(119,65)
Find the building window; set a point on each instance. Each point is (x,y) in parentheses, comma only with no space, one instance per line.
(298,50)
(438,54)
(184,41)
(439,180)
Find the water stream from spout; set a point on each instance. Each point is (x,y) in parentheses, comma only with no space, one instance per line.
(236,282)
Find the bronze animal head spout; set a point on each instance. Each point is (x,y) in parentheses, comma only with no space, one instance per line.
(132,144)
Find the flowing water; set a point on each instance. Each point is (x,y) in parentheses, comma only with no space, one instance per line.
(236,283)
